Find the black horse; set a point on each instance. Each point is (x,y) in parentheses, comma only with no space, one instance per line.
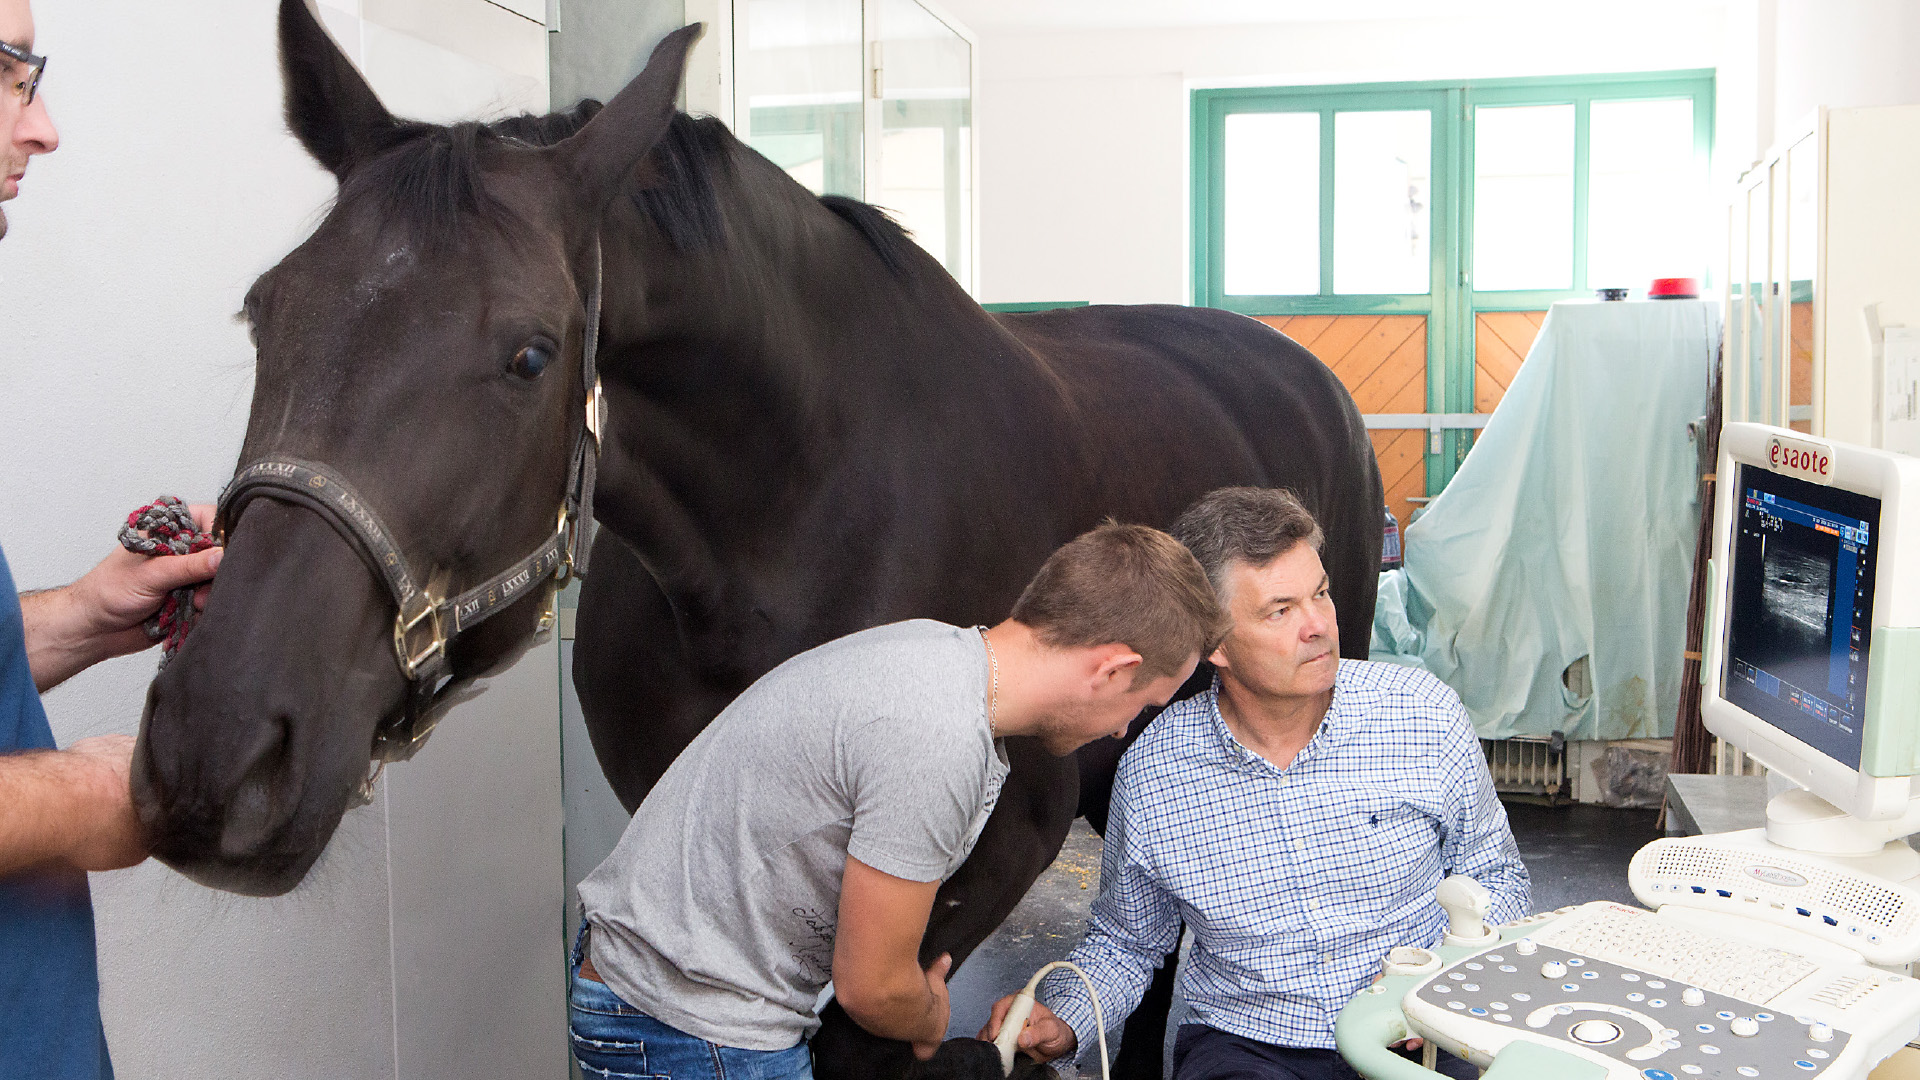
(811,429)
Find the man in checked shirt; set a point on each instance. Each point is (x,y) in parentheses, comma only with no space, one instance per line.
(1298,816)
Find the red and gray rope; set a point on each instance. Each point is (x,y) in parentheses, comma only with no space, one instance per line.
(165,527)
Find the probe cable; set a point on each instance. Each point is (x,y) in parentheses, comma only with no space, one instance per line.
(1016,1019)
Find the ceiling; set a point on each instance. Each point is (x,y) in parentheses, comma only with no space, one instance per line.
(1055,15)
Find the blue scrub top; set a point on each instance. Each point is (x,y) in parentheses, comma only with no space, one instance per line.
(49,985)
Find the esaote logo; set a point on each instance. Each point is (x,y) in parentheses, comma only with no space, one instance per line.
(1809,460)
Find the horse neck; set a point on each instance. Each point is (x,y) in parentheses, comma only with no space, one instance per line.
(743,374)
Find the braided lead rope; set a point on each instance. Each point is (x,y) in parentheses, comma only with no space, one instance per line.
(165,527)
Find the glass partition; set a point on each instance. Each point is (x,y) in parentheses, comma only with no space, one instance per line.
(1803,265)
(1761,346)
(926,128)
(798,68)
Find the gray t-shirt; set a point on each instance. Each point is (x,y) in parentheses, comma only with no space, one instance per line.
(717,911)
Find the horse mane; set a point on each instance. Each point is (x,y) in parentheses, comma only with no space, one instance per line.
(889,239)
(433,177)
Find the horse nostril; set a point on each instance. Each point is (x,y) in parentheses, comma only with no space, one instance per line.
(259,804)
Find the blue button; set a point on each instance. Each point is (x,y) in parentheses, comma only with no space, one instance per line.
(1704,1029)
(1477,1011)
(1656,1074)
(1568,986)
(1807,1065)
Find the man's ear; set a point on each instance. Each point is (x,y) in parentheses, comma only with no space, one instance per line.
(1114,669)
(1218,658)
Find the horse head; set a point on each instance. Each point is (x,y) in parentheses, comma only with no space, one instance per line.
(421,357)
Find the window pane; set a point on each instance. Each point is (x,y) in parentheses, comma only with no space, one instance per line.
(1272,217)
(1523,197)
(798,79)
(1382,180)
(926,113)
(1647,202)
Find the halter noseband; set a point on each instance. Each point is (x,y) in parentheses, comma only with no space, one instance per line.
(424,625)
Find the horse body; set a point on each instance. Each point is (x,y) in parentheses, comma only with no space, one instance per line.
(890,451)
(811,429)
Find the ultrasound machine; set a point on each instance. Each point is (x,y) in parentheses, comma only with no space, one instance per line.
(1779,952)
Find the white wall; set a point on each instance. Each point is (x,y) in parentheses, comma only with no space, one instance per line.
(1787,57)
(428,942)
(1083,136)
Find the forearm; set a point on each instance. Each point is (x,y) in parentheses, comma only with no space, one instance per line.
(900,1006)
(46,807)
(61,642)
(1487,852)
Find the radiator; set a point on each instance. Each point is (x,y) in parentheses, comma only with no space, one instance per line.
(1530,766)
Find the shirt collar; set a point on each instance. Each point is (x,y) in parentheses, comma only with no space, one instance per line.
(1342,716)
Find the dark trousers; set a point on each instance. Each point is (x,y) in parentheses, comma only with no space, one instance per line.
(1204,1053)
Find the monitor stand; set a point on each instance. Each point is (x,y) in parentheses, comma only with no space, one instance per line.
(1802,822)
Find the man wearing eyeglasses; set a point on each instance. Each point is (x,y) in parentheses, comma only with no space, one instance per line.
(62,812)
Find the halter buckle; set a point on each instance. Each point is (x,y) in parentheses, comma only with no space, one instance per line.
(404,625)
(596,410)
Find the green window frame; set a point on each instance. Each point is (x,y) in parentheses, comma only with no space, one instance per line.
(1453,303)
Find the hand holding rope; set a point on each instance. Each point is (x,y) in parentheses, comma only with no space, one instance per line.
(166,527)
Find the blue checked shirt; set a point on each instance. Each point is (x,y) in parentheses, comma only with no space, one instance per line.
(1297,881)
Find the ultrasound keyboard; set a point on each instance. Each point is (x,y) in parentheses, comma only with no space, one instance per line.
(1645,942)
(1647,998)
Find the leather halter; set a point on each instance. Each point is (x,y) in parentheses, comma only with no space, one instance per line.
(424,625)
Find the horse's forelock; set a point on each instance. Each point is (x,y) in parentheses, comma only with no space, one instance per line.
(433,181)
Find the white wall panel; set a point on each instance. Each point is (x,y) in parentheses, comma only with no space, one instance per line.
(124,375)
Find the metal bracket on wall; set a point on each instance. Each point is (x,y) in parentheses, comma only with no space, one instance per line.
(1433,423)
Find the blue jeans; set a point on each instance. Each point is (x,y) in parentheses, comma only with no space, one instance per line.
(613,1039)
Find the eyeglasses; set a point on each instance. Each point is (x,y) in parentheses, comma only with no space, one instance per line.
(36,66)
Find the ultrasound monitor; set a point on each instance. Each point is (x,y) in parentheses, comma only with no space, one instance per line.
(1812,663)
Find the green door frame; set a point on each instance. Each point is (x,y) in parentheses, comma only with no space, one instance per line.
(1452,303)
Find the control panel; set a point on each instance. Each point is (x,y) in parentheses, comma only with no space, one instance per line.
(1605,991)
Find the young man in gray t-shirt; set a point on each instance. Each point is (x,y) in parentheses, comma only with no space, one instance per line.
(802,836)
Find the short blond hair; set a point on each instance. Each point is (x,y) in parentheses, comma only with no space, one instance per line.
(1129,584)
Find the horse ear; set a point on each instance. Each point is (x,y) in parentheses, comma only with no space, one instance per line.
(330,107)
(604,153)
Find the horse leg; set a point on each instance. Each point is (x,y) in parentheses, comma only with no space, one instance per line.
(1020,841)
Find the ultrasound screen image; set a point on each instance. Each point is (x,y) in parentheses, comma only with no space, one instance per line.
(1796,610)
(1802,599)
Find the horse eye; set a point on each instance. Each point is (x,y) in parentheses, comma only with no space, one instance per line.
(530,361)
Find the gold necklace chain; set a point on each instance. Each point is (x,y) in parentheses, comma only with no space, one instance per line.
(993,695)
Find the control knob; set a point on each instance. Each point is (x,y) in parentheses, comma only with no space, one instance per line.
(1820,1032)
(1744,1026)
(1525,947)
(1693,995)
(1553,969)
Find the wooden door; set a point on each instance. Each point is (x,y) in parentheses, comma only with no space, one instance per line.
(1382,360)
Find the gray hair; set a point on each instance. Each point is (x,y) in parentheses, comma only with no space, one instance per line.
(1244,524)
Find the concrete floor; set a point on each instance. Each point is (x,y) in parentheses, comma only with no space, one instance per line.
(1574,853)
